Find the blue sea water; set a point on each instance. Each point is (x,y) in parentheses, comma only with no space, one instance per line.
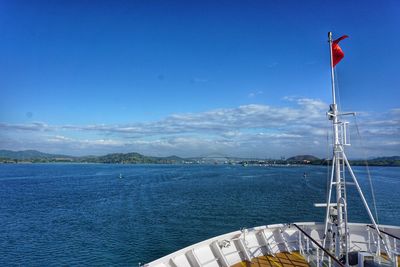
(85,214)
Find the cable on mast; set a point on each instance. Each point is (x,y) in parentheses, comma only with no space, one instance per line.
(368,170)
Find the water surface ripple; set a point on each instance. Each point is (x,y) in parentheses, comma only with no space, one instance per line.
(84,214)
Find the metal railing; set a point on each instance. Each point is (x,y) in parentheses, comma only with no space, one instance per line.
(386,233)
(319,258)
(394,251)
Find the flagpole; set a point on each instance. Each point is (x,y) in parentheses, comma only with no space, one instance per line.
(332,72)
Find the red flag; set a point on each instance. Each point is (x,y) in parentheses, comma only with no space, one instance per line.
(337,53)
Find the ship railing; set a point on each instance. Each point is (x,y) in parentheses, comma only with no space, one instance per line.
(314,252)
(391,240)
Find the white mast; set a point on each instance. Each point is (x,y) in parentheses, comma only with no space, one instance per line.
(341,223)
(336,213)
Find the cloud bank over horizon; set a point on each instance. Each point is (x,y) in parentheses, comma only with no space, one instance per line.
(254,130)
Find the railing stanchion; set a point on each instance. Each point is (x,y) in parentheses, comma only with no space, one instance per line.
(300,244)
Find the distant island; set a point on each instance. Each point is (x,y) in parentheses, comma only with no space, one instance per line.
(34,156)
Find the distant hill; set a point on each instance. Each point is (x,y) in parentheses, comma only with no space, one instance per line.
(381,161)
(131,158)
(388,158)
(29,154)
(37,156)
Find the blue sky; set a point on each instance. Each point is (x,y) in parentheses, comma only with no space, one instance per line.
(195,77)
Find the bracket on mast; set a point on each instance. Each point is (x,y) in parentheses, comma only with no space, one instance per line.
(345,137)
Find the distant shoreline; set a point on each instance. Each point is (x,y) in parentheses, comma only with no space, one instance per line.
(34,157)
(353,163)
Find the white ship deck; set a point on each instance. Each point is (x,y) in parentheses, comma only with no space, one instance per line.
(278,245)
(282,259)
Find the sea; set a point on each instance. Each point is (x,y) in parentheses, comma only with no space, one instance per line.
(123,215)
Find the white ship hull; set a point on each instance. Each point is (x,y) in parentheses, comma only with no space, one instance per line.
(246,245)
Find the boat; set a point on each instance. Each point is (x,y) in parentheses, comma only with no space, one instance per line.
(334,242)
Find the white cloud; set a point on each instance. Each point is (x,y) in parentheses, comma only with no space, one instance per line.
(34,126)
(248,130)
